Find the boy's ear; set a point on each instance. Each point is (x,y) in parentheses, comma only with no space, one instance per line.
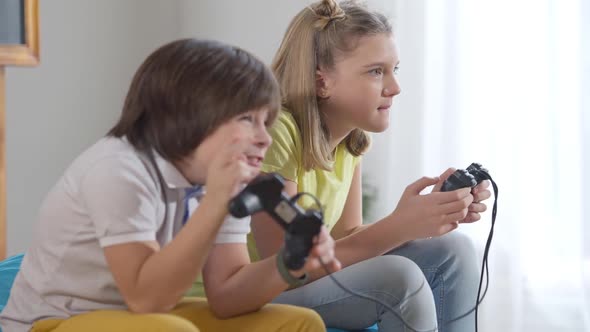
(322,84)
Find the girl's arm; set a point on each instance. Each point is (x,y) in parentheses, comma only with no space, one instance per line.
(357,242)
(416,216)
(352,214)
(354,242)
(235,286)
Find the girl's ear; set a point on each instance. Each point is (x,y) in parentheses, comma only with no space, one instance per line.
(322,84)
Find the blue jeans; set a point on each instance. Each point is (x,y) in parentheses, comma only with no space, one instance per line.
(401,278)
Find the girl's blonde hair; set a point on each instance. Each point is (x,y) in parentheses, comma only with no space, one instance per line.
(313,39)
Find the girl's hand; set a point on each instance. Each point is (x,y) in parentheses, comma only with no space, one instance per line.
(432,214)
(480,193)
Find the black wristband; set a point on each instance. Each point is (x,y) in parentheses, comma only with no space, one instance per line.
(286,275)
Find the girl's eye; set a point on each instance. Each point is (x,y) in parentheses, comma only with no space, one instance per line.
(377,71)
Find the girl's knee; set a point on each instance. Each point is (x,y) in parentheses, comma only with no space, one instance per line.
(396,274)
(459,248)
(406,284)
(457,242)
(456,258)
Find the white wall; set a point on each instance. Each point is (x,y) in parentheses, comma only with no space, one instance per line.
(395,158)
(241,23)
(585,11)
(89,52)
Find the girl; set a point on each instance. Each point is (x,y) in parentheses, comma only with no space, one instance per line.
(337,70)
(116,249)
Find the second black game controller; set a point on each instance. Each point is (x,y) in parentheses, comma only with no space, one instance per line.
(465,178)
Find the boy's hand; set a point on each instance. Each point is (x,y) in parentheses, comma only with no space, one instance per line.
(324,249)
(432,214)
(229,170)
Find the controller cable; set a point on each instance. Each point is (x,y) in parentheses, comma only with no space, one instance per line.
(484,267)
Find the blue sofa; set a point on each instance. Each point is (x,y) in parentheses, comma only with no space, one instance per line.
(9,268)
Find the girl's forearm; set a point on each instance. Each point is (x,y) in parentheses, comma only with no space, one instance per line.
(367,242)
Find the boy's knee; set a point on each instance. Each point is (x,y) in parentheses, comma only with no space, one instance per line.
(166,322)
(309,320)
(119,321)
(298,319)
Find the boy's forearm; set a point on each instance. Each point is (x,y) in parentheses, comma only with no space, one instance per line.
(248,289)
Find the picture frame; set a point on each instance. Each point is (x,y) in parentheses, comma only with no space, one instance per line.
(19,46)
(19,33)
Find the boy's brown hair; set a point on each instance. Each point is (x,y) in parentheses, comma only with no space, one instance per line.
(186,89)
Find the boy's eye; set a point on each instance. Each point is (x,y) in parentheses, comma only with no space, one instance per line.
(267,120)
(396,70)
(247,117)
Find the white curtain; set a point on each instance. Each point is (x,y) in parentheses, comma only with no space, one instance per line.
(502,83)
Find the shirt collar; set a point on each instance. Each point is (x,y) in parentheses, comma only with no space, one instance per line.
(172,176)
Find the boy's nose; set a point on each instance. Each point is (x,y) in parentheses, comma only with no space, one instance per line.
(263,138)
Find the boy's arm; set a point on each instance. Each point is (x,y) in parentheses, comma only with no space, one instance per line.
(235,286)
(153,279)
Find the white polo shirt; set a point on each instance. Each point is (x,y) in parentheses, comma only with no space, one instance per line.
(109,195)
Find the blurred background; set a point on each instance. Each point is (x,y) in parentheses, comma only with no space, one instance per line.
(503,83)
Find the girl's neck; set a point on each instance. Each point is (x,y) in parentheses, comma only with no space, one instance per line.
(337,128)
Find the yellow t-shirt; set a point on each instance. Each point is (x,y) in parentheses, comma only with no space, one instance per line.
(330,187)
(284,157)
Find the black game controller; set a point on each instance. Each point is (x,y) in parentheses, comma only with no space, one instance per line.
(265,193)
(465,178)
(471,177)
